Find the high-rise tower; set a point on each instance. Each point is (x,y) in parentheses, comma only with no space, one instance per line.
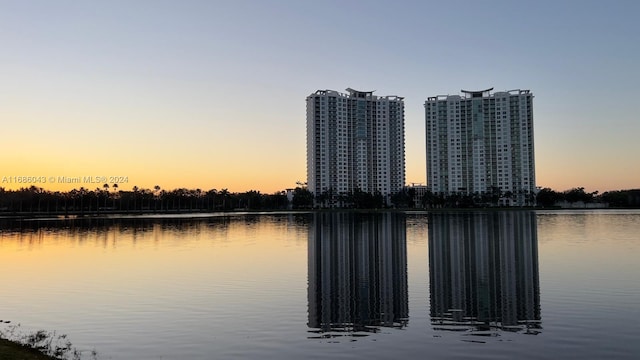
(355,141)
(481,143)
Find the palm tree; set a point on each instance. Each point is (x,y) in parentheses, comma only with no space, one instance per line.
(199,199)
(224,193)
(98,191)
(508,195)
(135,193)
(81,194)
(115,187)
(156,193)
(106,194)
(211,194)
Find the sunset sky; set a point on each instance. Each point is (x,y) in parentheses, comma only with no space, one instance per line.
(211,94)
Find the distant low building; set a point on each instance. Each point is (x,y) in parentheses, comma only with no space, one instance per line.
(289,194)
(581,205)
(633,197)
(419,191)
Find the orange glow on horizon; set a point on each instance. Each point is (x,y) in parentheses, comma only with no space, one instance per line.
(258,177)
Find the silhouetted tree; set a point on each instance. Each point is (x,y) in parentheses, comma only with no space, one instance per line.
(302,198)
(618,198)
(403,198)
(578,194)
(547,197)
(224,193)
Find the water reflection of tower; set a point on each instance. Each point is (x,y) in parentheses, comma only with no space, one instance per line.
(357,272)
(483,270)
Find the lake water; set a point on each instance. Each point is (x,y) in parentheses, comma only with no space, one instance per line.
(484,285)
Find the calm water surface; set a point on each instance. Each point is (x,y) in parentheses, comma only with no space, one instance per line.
(540,285)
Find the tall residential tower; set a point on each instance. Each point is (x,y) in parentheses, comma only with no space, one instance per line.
(481,143)
(355,141)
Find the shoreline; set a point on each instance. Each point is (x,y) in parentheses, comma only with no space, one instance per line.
(205,214)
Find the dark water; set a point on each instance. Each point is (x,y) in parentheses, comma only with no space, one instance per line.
(540,285)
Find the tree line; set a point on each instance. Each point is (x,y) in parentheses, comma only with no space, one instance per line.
(546,198)
(494,197)
(111,199)
(616,198)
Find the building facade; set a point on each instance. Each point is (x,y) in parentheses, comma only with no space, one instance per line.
(355,141)
(482,143)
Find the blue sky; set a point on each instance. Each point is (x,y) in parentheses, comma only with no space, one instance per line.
(211,94)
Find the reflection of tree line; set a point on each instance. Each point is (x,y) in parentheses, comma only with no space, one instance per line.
(79,225)
(357,273)
(115,229)
(483,270)
(35,199)
(140,223)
